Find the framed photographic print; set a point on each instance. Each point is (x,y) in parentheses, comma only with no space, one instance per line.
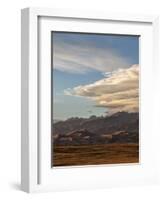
(95,86)
(88,94)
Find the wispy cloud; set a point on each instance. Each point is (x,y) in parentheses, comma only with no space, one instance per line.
(80,57)
(117,91)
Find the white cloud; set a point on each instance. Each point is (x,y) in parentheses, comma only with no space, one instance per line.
(81,58)
(118,91)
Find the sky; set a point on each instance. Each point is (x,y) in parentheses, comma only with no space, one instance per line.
(94,74)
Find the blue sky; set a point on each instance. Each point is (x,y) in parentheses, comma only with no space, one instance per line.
(80,60)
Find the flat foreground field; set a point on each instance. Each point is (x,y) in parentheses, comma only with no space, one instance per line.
(95,154)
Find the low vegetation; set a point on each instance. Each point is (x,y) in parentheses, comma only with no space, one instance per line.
(95,154)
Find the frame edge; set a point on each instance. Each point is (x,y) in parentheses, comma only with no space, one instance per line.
(29,99)
(24,100)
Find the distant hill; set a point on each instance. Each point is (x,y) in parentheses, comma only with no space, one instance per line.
(56,120)
(121,127)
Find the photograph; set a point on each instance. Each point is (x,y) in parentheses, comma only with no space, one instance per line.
(95,99)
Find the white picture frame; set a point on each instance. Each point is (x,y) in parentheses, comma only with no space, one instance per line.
(36,172)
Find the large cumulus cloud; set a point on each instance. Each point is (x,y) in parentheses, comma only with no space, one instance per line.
(117,91)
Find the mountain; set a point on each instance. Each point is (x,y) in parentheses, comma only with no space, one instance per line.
(121,127)
(56,120)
